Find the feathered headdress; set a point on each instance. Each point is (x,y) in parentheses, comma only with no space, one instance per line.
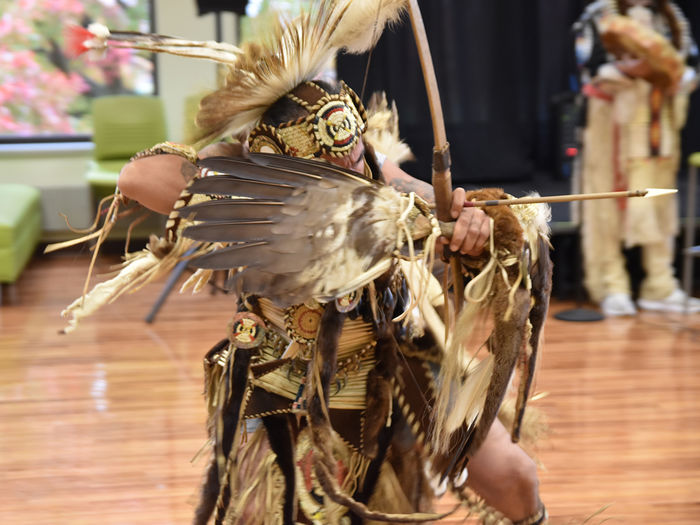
(260,73)
(623,35)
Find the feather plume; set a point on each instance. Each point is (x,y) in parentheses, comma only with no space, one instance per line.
(293,54)
(75,38)
(97,36)
(296,52)
(468,397)
(139,269)
(383,129)
(363,23)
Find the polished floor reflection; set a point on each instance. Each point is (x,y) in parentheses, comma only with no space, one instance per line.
(101,425)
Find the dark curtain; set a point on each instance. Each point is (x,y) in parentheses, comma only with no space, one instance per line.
(219,6)
(691,133)
(501,66)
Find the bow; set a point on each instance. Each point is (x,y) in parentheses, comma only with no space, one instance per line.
(441,177)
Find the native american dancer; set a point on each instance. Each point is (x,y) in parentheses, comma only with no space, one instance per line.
(340,394)
(639,64)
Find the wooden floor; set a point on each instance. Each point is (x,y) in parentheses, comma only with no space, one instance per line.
(99,426)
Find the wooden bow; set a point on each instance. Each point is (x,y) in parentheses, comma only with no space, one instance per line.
(441,177)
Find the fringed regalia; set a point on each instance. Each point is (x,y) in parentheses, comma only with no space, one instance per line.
(339,395)
(632,138)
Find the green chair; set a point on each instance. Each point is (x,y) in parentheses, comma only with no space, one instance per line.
(123,125)
(20,229)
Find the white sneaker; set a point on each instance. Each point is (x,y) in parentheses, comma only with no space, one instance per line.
(617,304)
(678,301)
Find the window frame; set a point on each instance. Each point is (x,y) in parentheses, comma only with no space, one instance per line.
(63,138)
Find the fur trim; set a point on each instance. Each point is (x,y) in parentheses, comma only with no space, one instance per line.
(159,258)
(139,269)
(473,384)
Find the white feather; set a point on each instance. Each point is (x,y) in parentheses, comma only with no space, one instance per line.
(363,23)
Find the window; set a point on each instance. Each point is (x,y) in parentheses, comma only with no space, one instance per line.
(44,95)
(255,7)
(260,13)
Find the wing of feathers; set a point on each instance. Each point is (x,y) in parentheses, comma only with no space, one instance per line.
(300,228)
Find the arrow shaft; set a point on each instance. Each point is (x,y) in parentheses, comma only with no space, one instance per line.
(557,198)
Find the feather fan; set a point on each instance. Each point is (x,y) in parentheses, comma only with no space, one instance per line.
(302,229)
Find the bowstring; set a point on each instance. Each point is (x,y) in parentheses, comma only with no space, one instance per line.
(369,54)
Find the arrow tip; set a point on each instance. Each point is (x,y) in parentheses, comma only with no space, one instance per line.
(658,192)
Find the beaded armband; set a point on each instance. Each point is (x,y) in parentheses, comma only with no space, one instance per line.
(183,150)
(538,518)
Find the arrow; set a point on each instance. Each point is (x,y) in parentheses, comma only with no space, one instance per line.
(647,193)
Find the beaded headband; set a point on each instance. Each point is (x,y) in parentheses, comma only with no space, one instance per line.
(333,126)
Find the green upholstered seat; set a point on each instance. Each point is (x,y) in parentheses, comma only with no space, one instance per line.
(123,125)
(102,176)
(20,228)
(694,159)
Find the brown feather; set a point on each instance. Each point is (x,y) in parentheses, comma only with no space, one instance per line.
(232,185)
(231,209)
(506,344)
(230,231)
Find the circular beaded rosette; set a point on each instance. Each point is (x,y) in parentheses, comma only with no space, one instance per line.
(246,330)
(335,127)
(302,321)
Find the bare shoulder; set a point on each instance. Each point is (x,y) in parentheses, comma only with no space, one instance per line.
(156,181)
(222,149)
